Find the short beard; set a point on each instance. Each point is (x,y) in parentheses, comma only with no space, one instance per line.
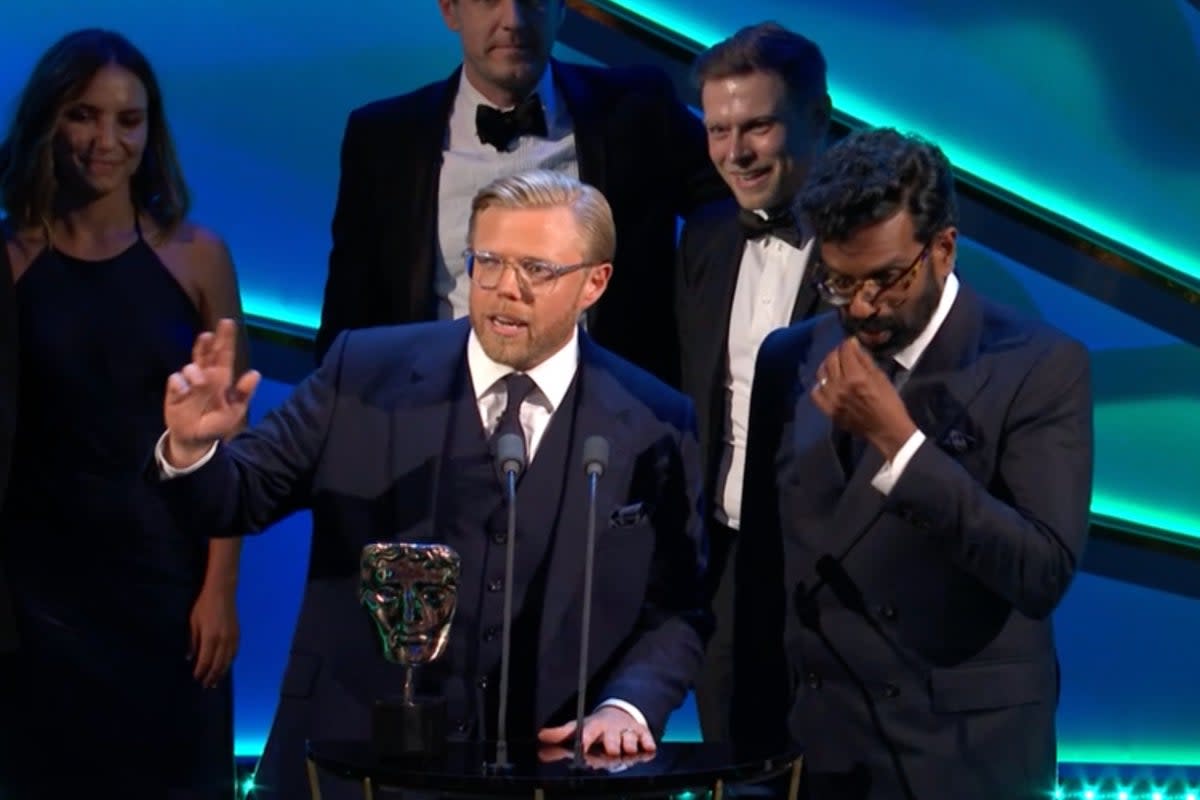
(904,330)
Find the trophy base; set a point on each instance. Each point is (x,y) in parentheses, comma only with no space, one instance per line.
(407,730)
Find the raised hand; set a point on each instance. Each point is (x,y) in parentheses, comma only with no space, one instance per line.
(204,404)
(856,394)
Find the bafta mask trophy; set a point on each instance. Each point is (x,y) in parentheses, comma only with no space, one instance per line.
(411,591)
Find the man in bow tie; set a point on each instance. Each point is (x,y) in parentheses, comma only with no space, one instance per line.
(411,164)
(918,482)
(395,437)
(742,272)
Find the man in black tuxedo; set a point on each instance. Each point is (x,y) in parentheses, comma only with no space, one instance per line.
(394,438)
(411,164)
(742,272)
(918,480)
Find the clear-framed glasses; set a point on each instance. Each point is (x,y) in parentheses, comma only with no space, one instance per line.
(840,290)
(485,269)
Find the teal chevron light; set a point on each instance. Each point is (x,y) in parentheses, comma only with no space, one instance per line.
(677,17)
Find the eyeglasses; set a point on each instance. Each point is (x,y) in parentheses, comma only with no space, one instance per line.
(486,269)
(840,290)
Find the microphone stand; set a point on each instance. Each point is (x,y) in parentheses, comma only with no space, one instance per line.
(595,459)
(510,453)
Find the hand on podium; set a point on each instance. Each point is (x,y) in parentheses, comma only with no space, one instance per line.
(615,730)
(548,754)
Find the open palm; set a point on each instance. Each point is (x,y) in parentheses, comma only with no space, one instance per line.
(203,403)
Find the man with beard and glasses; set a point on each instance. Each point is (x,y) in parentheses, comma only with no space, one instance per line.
(411,164)
(918,481)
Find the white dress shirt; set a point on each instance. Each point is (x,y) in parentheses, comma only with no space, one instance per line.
(885,479)
(769,278)
(552,378)
(468,165)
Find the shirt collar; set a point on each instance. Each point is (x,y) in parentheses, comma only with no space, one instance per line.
(909,356)
(553,376)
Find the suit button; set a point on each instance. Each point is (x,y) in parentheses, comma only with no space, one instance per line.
(461,727)
(491,633)
(496,585)
(888,612)
(482,683)
(814,680)
(891,690)
(500,537)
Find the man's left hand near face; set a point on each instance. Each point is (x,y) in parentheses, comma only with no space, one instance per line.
(614,730)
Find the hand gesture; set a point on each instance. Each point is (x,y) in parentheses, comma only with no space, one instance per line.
(203,404)
(613,728)
(858,396)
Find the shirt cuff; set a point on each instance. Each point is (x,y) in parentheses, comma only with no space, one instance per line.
(885,480)
(628,708)
(166,471)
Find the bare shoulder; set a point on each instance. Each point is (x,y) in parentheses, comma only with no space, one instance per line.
(196,245)
(199,260)
(22,246)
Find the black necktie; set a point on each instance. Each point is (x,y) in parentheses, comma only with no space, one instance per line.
(519,387)
(780,223)
(500,128)
(850,448)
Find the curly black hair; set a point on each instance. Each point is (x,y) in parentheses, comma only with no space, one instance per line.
(870,175)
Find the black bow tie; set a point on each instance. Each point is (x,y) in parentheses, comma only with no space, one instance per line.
(780,223)
(500,128)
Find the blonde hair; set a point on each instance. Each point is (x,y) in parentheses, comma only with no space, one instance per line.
(540,188)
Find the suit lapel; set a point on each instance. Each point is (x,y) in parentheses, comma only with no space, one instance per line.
(949,374)
(808,302)
(422,407)
(937,395)
(604,409)
(422,164)
(587,118)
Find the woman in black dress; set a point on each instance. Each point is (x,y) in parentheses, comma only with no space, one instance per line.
(127,627)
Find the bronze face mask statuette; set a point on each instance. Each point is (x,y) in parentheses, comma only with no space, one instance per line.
(410,591)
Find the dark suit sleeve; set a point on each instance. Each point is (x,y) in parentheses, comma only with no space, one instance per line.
(666,650)
(681,297)
(696,182)
(762,689)
(353,261)
(266,472)
(1022,539)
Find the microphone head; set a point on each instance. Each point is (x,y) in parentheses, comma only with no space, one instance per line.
(510,453)
(595,455)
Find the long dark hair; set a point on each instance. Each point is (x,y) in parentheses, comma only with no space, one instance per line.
(28,182)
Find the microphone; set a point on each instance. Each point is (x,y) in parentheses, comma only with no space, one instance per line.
(510,455)
(510,461)
(595,461)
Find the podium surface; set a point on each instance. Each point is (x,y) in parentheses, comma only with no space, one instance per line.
(539,771)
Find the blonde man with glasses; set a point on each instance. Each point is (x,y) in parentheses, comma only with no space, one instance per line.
(918,477)
(394,438)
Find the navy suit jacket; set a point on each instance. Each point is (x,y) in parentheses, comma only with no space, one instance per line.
(635,142)
(360,442)
(905,640)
